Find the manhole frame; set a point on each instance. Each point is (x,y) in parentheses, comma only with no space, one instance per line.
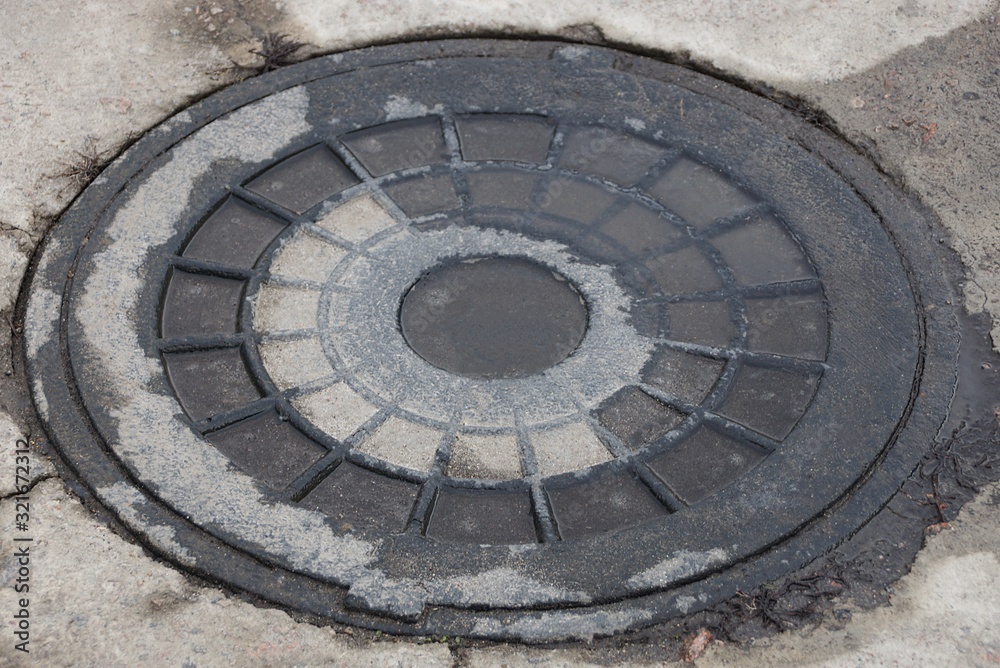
(903,219)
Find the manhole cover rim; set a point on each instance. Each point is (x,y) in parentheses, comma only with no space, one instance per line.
(79,218)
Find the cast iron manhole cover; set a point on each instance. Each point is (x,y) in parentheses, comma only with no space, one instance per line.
(487,338)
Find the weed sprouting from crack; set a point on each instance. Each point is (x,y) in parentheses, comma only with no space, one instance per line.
(276,50)
(89,162)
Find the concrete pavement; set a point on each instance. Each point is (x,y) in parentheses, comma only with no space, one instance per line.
(915,84)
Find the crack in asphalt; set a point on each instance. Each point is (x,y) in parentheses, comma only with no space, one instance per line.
(31,487)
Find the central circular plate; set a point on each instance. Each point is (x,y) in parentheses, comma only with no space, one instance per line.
(493,318)
(495,339)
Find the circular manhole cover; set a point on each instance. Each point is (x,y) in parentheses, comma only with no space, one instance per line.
(486,338)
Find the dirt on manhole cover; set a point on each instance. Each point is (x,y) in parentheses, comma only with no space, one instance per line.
(491,339)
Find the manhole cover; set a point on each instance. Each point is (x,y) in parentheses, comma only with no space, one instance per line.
(486,338)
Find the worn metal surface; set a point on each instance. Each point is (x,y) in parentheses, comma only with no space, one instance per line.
(759,373)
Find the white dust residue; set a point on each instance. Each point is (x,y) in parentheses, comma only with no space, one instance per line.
(682,564)
(564,625)
(502,587)
(399,107)
(128,502)
(42,319)
(188,473)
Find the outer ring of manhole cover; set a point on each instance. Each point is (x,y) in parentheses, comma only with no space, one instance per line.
(213,341)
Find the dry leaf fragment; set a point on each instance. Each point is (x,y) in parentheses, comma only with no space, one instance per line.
(930,129)
(695,644)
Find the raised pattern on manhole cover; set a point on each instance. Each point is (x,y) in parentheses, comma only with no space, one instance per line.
(487,338)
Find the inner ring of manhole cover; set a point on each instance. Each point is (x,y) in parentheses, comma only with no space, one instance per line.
(486,338)
(495,317)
